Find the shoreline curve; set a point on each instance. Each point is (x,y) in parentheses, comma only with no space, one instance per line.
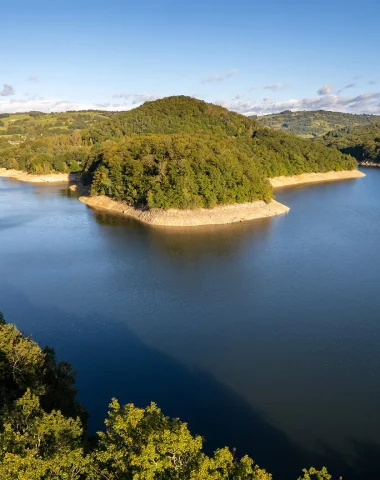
(305,178)
(43,178)
(219,215)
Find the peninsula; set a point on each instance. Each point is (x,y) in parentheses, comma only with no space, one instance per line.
(178,161)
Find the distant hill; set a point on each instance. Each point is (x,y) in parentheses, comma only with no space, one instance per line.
(14,126)
(315,123)
(361,142)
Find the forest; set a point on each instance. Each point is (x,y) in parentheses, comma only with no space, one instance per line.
(175,152)
(43,430)
(363,143)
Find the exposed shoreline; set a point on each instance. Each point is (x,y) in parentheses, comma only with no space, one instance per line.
(44,178)
(220,215)
(369,164)
(223,214)
(305,178)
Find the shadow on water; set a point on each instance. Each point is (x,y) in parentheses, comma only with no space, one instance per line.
(113,362)
(188,242)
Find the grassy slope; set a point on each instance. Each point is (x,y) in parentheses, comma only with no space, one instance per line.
(31,125)
(314,123)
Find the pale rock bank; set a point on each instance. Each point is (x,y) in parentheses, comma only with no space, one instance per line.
(45,178)
(304,178)
(190,218)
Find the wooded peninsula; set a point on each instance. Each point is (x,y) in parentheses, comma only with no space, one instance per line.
(177,153)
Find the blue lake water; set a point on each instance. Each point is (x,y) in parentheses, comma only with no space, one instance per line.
(264,336)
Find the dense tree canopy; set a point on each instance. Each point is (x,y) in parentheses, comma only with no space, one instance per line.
(183,171)
(59,153)
(363,143)
(43,435)
(173,115)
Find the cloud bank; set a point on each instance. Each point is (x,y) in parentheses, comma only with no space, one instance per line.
(135,98)
(365,103)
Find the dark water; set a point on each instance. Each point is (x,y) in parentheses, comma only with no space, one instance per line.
(264,335)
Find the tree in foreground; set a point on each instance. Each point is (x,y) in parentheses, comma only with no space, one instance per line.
(43,434)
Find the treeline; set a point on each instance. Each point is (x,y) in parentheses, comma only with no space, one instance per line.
(315,123)
(176,152)
(59,153)
(177,171)
(36,124)
(43,430)
(172,115)
(363,143)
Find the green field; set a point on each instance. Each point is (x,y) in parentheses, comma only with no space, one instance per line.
(315,123)
(35,124)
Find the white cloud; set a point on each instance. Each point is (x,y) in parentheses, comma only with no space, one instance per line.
(325,90)
(219,78)
(7,90)
(32,78)
(365,103)
(135,98)
(46,105)
(30,104)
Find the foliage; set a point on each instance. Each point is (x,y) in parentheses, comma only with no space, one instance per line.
(282,154)
(181,171)
(363,143)
(38,442)
(314,123)
(38,445)
(25,366)
(60,153)
(172,115)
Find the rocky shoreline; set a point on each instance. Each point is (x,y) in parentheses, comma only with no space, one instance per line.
(369,164)
(223,214)
(219,215)
(305,178)
(44,178)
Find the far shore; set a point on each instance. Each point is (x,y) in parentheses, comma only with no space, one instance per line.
(44,178)
(219,215)
(305,178)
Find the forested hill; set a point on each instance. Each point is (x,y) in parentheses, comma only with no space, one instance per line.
(170,115)
(177,152)
(363,143)
(314,123)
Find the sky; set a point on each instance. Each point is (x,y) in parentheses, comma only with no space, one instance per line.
(251,57)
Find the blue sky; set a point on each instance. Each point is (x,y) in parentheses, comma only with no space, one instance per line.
(253,57)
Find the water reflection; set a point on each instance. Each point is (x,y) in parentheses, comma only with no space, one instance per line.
(263,335)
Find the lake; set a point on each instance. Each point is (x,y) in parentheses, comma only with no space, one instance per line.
(264,335)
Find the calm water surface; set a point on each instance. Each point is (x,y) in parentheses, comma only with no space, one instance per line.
(264,335)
